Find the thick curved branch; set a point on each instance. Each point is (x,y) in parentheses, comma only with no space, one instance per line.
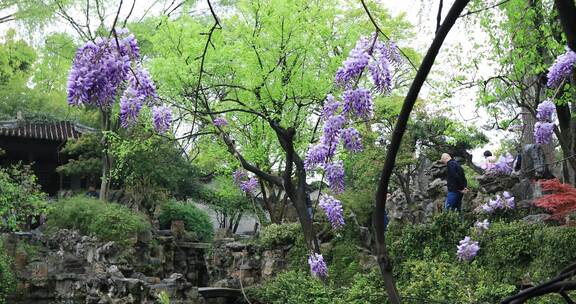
(567,12)
(398,133)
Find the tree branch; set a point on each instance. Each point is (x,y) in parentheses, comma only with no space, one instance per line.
(398,133)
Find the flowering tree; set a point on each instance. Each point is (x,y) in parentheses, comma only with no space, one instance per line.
(108,71)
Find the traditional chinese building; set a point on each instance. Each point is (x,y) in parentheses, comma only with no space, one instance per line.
(39,144)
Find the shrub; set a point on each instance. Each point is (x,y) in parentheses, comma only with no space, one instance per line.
(195,220)
(7,282)
(21,199)
(440,236)
(277,235)
(293,287)
(443,279)
(507,249)
(365,289)
(107,221)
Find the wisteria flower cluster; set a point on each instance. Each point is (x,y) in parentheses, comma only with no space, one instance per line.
(101,68)
(482,225)
(562,68)
(506,201)
(220,122)
(246,184)
(318,267)
(544,128)
(338,116)
(467,249)
(333,209)
(503,165)
(356,103)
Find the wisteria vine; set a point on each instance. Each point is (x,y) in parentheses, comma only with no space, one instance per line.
(109,68)
(340,115)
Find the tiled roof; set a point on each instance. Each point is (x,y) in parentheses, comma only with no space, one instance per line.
(55,131)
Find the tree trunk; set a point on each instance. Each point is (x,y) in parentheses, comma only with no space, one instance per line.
(106,161)
(392,151)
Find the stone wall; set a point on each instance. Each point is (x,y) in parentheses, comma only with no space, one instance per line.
(235,264)
(66,267)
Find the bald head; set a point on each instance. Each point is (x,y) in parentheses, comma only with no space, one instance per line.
(445,158)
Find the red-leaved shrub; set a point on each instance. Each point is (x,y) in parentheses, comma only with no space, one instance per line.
(560,201)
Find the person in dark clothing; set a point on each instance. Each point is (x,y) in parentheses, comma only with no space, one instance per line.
(456,182)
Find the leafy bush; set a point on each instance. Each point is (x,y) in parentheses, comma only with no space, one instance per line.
(7,282)
(107,221)
(293,287)
(21,199)
(195,220)
(441,235)
(442,279)
(365,289)
(275,235)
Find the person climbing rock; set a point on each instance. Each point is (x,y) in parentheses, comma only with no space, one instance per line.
(456,182)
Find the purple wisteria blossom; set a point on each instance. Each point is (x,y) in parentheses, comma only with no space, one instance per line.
(467,249)
(503,165)
(103,67)
(220,122)
(545,110)
(562,68)
(354,65)
(506,201)
(162,118)
(335,176)
(130,106)
(482,225)
(238,176)
(392,52)
(318,267)
(317,155)
(333,209)
(249,186)
(358,102)
(543,132)
(332,129)
(381,73)
(351,139)
(330,107)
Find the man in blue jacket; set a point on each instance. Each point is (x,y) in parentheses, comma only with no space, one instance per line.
(456,182)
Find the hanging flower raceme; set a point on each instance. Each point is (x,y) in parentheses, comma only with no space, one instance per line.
(162,118)
(101,68)
(358,103)
(333,209)
(482,225)
(246,184)
(335,176)
(220,122)
(467,249)
(318,267)
(503,165)
(562,68)
(506,201)
(543,132)
(354,65)
(545,110)
(351,139)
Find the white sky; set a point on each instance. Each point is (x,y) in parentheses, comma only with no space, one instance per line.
(422,13)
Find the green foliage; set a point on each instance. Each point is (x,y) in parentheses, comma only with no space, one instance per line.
(163,297)
(21,199)
(149,167)
(224,197)
(7,281)
(364,289)
(196,220)
(275,235)
(410,242)
(86,157)
(443,279)
(293,287)
(107,221)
